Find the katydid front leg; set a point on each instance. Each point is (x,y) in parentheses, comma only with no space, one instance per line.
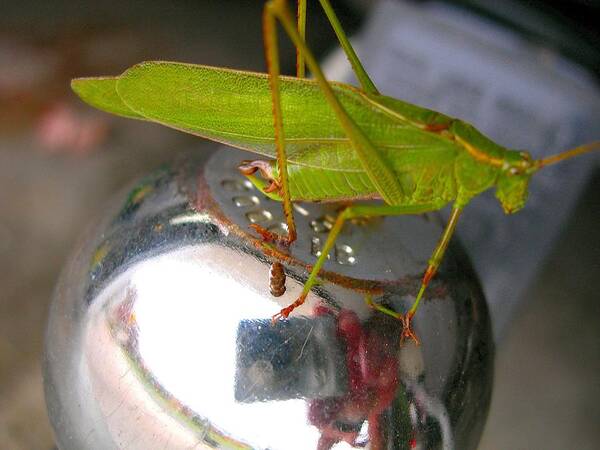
(436,258)
(405,319)
(434,263)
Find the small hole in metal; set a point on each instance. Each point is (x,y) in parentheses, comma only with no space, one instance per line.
(259,216)
(322,224)
(301,210)
(233,185)
(244,201)
(315,247)
(279,228)
(345,255)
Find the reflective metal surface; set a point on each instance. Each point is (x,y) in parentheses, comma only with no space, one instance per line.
(160,333)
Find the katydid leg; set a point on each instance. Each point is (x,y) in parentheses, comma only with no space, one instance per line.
(436,258)
(407,331)
(300,64)
(351,212)
(359,70)
(272,57)
(374,164)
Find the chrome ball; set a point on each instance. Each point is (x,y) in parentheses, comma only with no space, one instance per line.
(160,332)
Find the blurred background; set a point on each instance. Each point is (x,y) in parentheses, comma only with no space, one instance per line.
(60,161)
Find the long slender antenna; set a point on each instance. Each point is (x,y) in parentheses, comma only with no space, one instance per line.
(568,154)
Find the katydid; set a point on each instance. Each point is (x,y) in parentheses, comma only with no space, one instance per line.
(328,141)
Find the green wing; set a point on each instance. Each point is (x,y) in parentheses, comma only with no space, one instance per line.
(234,107)
(101,92)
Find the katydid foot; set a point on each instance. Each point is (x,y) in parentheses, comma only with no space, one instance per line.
(407,331)
(285,312)
(405,319)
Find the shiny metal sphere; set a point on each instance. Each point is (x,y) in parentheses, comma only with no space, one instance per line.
(160,332)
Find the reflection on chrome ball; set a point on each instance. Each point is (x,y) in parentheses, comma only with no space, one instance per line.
(160,333)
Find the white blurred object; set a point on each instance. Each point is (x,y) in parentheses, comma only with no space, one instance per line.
(63,129)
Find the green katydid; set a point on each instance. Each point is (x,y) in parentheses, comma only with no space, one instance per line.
(327,141)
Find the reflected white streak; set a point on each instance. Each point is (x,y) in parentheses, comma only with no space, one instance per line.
(188,342)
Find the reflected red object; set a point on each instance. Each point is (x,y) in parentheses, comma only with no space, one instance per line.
(371,360)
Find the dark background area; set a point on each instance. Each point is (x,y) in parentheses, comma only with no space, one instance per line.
(60,161)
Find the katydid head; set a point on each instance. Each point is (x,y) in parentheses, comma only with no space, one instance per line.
(513,181)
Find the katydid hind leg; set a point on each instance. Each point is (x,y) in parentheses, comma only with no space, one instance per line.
(301,14)
(272,57)
(357,66)
(377,168)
